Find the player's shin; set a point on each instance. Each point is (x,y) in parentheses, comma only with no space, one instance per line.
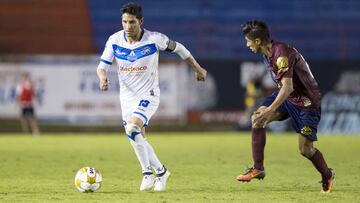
(154,160)
(320,164)
(258,144)
(139,144)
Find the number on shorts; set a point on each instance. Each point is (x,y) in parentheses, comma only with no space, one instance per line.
(144,103)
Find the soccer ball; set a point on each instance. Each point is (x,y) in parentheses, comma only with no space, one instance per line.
(88,179)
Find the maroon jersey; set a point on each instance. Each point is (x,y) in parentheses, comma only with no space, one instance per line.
(26,94)
(286,61)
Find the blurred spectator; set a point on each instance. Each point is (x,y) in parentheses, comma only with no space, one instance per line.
(25,92)
(258,84)
(254,95)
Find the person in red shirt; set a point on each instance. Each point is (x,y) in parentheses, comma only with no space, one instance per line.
(25,97)
(298,97)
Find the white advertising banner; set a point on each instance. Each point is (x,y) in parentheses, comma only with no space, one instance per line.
(68,92)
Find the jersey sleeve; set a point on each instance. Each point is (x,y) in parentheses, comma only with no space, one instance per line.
(107,56)
(284,62)
(161,41)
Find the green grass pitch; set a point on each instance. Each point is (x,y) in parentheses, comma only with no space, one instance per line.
(203,167)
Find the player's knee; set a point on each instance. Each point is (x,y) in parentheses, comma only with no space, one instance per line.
(305,151)
(256,124)
(132,131)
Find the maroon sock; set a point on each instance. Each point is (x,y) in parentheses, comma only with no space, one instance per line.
(319,162)
(258,144)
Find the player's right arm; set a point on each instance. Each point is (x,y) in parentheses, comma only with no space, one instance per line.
(103,80)
(200,73)
(166,44)
(179,49)
(106,60)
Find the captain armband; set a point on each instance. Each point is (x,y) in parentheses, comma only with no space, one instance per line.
(170,46)
(178,48)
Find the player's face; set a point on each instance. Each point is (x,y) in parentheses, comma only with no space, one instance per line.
(254,45)
(131,25)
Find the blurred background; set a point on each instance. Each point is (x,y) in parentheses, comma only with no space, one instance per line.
(59,43)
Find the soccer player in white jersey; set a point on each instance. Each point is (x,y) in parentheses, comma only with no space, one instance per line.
(136,51)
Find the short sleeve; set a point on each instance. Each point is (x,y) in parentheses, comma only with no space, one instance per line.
(108,53)
(161,41)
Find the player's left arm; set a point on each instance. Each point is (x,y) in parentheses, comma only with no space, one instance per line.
(285,65)
(264,115)
(179,49)
(285,90)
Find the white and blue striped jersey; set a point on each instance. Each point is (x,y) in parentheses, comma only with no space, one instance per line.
(137,63)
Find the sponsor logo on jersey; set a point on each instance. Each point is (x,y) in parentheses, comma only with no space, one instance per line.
(132,70)
(306,102)
(146,50)
(117,51)
(282,63)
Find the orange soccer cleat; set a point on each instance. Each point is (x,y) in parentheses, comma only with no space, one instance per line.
(327,184)
(251,173)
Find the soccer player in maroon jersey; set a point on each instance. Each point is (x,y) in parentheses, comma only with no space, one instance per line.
(298,98)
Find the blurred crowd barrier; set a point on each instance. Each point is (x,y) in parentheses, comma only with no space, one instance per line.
(67,92)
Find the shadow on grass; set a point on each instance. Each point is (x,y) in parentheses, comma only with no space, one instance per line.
(115,192)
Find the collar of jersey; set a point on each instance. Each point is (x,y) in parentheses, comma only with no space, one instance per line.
(141,35)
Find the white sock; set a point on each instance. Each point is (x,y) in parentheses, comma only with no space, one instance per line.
(140,148)
(154,160)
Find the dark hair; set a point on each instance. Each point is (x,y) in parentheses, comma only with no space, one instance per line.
(133,9)
(256,29)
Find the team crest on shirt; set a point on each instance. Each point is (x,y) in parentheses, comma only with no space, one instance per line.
(306,130)
(282,63)
(132,56)
(306,102)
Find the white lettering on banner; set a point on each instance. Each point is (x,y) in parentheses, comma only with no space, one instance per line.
(340,113)
(172,77)
(341,102)
(348,82)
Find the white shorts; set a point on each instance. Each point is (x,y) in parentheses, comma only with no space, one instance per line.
(141,107)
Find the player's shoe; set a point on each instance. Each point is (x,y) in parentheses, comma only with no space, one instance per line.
(251,173)
(148,182)
(160,181)
(327,184)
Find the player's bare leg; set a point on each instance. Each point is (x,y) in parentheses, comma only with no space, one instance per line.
(308,150)
(24,124)
(258,135)
(34,126)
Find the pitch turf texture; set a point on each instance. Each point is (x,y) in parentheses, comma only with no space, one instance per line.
(203,167)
